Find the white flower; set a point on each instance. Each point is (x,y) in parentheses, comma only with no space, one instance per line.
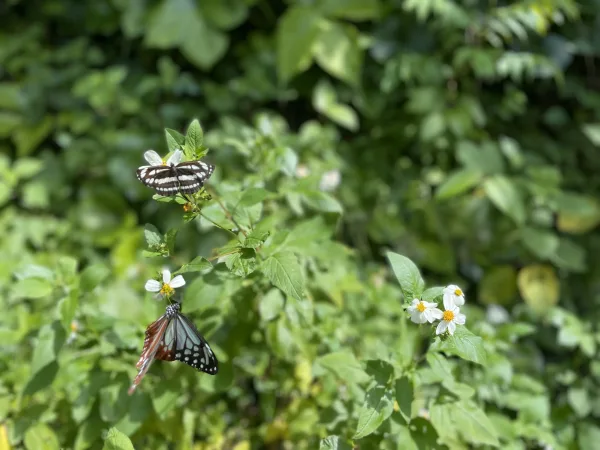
(421,312)
(75,327)
(167,287)
(450,317)
(454,293)
(330,180)
(154,158)
(302,171)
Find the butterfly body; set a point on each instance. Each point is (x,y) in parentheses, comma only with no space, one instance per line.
(174,178)
(173,337)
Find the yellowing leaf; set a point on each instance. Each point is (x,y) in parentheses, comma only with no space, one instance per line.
(539,287)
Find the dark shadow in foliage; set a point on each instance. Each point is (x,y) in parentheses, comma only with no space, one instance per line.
(424,435)
(380,370)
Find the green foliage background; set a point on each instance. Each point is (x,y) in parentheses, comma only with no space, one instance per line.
(467,136)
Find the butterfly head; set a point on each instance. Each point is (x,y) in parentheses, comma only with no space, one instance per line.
(173,310)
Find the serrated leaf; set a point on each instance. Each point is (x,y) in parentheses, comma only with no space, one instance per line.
(283,270)
(380,370)
(152,235)
(378,406)
(408,275)
(92,276)
(175,140)
(473,424)
(333,443)
(115,440)
(322,201)
(241,263)
(198,264)
(256,239)
(345,365)
(194,138)
(32,288)
(464,344)
(170,238)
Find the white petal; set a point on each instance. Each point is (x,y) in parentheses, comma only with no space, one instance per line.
(460,319)
(166,276)
(415,302)
(448,301)
(152,286)
(430,304)
(428,315)
(450,289)
(411,309)
(417,317)
(175,158)
(153,158)
(436,313)
(441,328)
(459,300)
(451,327)
(176,282)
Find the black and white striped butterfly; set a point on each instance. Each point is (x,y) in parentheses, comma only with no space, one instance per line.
(173,176)
(173,337)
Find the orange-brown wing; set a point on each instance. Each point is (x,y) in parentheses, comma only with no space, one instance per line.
(153,349)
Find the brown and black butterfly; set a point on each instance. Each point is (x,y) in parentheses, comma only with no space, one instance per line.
(173,337)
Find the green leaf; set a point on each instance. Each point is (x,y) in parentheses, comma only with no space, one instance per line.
(170,238)
(325,101)
(68,307)
(380,370)
(350,9)
(588,435)
(579,401)
(338,52)
(378,406)
(484,158)
(464,344)
(256,238)
(408,275)
(92,276)
(592,131)
(153,236)
(175,140)
(473,424)
(252,196)
(194,139)
(542,243)
(198,264)
(457,183)
(433,294)
(241,263)
(283,270)
(164,29)
(32,288)
(506,196)
(203,45)
(322,201)
(115,440)
(404,396)
(334,443)
(41,437)
(27,167)
(270,305)
(297,32)
(44,367)
(345,365)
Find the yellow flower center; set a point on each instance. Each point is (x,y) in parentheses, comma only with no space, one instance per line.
(420,306)
(166,290)
(458,292)
(448,316)
(74,326)
(188,207)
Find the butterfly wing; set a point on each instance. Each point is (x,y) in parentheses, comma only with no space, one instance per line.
(155,347)
(191,175)
(192,348)
(163,179)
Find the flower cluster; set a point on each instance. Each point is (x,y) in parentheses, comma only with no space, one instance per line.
(422,311)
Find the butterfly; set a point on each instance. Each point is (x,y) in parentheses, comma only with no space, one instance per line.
(174,337)
(173,176)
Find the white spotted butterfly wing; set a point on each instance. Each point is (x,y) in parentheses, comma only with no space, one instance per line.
(173,337)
